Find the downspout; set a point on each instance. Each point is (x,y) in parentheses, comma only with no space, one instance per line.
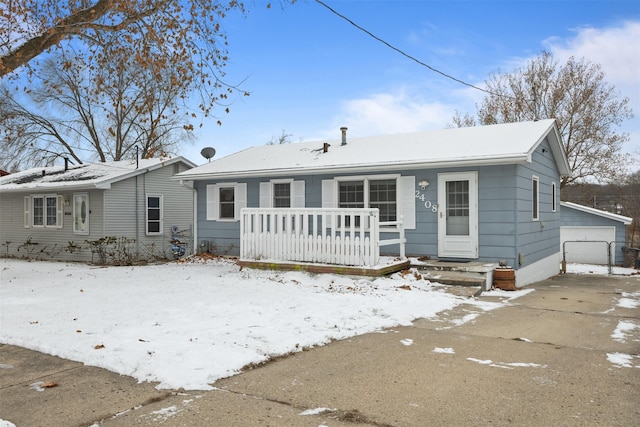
(195,213)
(137,217)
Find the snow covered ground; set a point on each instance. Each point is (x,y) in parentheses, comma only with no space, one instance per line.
(188,324)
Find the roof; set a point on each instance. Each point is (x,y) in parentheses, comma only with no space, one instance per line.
(86,176)
(624,219)
(483,145)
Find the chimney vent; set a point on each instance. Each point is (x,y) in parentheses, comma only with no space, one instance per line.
(325,147)
(344,135)
(66,164)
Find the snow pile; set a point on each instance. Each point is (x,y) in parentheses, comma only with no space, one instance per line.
(190,324)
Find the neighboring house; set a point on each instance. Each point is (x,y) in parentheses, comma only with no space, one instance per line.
(489,193)
(53,212)
(587,234)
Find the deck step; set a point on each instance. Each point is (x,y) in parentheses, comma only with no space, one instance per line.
(453,278)
(467,274)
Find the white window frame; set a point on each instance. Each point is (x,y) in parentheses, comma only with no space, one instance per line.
(297,193)
(405,194)
(535,198)
(213,200)
(160,221)
(554,197)
(29,212)
(78,215)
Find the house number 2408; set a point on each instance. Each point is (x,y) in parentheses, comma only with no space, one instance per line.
(427,203)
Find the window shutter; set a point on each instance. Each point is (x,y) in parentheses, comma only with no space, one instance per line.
(328,193)
(328,196)
(27,211)
(213,209)
(407,201)
(266,200)
(240,199)
(297,194)
(59,211)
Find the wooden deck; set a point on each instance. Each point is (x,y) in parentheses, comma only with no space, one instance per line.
(375,271)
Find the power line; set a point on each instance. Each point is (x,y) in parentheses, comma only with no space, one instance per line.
(401,52)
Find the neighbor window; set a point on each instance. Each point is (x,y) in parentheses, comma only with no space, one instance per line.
(535,197)
(46,211)
(154,214)
(81,213)
(553,197)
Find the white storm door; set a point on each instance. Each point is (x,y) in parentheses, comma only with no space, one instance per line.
(458,215)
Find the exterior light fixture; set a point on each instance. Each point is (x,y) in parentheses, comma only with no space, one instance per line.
(423,184)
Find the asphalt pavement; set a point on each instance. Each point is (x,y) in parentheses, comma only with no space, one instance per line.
(548,358)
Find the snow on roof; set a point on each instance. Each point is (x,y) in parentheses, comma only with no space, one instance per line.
(623,219)
(87,176)
(494,144)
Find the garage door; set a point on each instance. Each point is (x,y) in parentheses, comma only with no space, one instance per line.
(587,244)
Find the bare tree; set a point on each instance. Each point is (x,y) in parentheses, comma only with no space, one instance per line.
(91,114)
(587,108)
(284,138)
(112,33)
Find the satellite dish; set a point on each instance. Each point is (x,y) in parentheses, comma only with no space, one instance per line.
(208,153)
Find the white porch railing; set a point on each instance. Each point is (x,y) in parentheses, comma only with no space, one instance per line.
(316,235)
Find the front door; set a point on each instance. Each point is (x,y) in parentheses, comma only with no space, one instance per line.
(458,215)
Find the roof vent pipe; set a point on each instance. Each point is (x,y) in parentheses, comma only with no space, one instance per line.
(344,135)
(325,147)
(66,164)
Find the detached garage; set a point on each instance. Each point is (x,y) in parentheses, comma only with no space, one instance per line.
(586,234)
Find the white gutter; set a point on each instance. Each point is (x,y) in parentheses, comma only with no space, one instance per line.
(506,160)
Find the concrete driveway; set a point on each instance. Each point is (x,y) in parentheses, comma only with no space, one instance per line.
(567,353)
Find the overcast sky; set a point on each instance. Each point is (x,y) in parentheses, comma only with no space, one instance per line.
(310,72)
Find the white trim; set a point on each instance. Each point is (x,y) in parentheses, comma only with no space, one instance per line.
(27,211)
(453,246)
(296,194)
(213,200)
(75,214)
(146,215)
(535,196)
(539,270)
(59,211)
(623,219)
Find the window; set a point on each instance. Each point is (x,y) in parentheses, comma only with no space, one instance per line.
(224,201)
(154,214)
(227,202)
(351,194)
(553,197)
(81,213)
(38,211)
(393,195)
(457,208)
(535,197)
(382,195)
(282,195)
(46,211)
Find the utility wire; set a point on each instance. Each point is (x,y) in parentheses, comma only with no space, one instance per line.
(409,56)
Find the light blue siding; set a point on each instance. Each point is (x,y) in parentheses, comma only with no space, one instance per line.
(506,230)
